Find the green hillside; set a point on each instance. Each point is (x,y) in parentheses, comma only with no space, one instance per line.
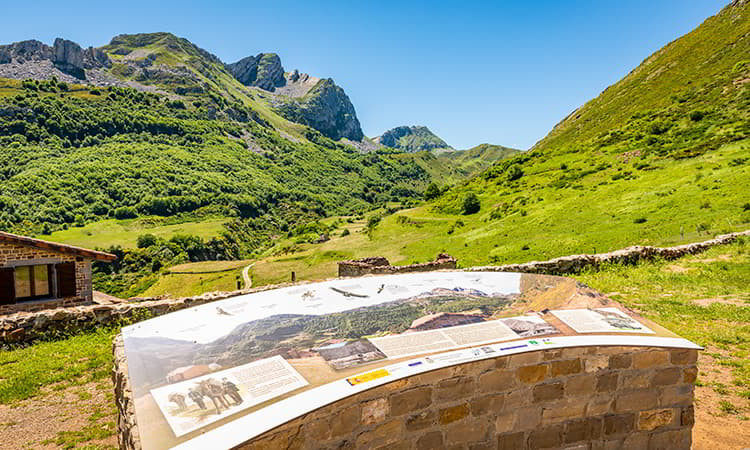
(659,158)
(476,159)
(413,139)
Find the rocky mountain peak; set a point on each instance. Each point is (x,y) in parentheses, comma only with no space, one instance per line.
(66,56)
(263,70)
(412,139)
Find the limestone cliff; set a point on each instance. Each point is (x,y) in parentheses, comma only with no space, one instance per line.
(263,71)
(327,108)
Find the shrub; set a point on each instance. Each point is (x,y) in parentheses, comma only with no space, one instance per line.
(697,115)
(514,173)
(146,240)
(432,192)
(746,207)
(345,232)
(640,220)
(471,204)
(125,212)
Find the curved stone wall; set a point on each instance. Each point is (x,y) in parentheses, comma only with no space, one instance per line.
(579,397)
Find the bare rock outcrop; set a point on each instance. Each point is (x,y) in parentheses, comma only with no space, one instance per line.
(263,70)
(65,56)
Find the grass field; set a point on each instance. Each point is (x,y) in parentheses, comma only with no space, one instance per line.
(224,278)
(671,203)
(125,232)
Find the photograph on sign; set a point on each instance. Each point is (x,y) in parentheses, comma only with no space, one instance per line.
(600,320)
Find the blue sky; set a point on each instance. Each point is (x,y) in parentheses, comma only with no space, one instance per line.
(472,71)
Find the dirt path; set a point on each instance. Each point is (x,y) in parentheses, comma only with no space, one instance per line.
(246,276)
(714,429)
(78,415)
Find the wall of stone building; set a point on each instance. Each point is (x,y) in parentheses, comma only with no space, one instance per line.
(575,398)
(380,266)
(10,253)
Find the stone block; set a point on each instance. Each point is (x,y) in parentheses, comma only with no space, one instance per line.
(528,418)
(505,422)
(656,418)
(683,356)
(618,424)
(607,382)
(671,440)
(602,404)
(374,411)
(467,431)
(518,398)
(620,361)
(567,367)
(668,376)
(584,384)
(430,441)
(689,375)
(635,379)
(317,430)
(455,388)
(411,400)
(547,437)
(345,421)
(511,441)
(569,409)
(487,404)
(532,374)
(497,381)
(548,392)
(687,416)
(453,413)
(637,400)
(586,429)
(680,395)
(596,363)
(652,358)
(383,434)
(524,359)
(419,421)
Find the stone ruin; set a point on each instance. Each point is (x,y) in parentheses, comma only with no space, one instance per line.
(378,265)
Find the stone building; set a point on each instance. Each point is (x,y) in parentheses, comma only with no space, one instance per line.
(37,274)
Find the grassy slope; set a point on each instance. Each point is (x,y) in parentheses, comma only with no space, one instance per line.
(186,285)
(476,159)
(659,158)
(125,232)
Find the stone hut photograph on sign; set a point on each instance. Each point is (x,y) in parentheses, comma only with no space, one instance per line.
(37,274)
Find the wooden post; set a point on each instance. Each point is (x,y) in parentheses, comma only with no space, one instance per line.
(294,277)
(239,285)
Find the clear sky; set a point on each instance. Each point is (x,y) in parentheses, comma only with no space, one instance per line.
(472,71)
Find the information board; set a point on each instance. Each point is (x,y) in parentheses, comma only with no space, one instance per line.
(196,371)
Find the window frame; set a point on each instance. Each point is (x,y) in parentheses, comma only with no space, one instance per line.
(51,291)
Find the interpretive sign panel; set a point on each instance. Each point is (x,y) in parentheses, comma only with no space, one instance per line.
(600,320)
(203,368)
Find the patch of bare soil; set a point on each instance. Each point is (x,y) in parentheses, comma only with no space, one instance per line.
(724,300)
(713,428)
(674,268)
(74,415)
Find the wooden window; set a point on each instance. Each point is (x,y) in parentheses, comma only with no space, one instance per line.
(31,282)
(66,279)
(7,287)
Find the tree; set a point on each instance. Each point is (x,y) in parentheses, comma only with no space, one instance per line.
(471,204)
(432,192)
(146,240)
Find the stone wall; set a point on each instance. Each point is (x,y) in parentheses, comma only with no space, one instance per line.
(630,255)
(26,327)
(11,253)
(378,265)
(576,398)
